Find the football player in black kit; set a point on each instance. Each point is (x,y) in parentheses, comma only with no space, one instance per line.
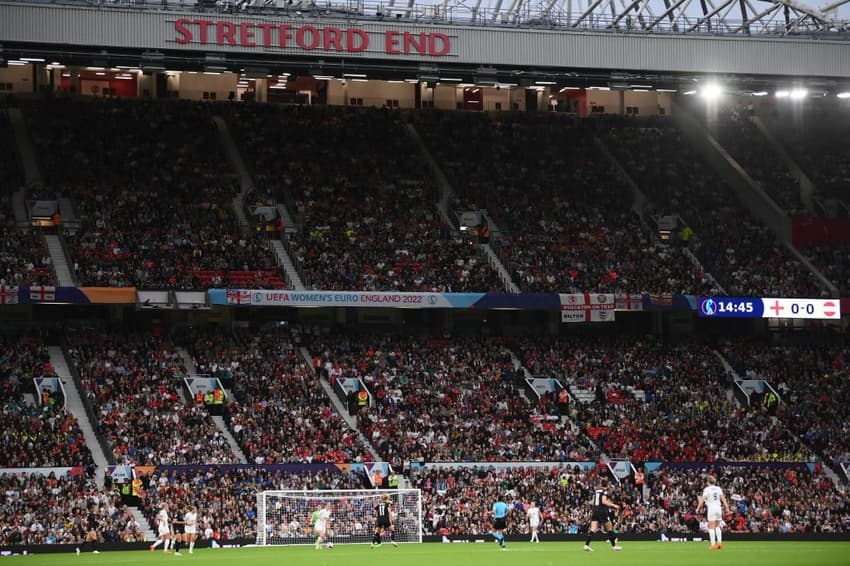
(603,513)
(383,521)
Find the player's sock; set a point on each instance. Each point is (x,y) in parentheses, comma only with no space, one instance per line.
(712,536)
(719,535)
(191,546)
(166,544)
(588,538)
(156,544)
(612,538)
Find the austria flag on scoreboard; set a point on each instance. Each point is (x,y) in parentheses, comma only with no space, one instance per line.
(587,307)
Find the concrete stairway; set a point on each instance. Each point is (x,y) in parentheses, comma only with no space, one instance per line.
(64,275)
(144,525)
(285,261)
(74,403)
(341,409)
(192,372)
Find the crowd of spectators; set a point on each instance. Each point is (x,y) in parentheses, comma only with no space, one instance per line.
(152,190)
(816,138)
(812,383)
(751,149)
(278,412)
(763,499)
(51,509)
(363,198)
(741,254)
(35,430)
(446,399)
(565,216)
(662,402)
(24,260)
(134,383)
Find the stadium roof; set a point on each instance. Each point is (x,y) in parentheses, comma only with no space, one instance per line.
(714,17)
(782,17)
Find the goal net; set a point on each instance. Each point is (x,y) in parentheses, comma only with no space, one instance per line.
(283,517)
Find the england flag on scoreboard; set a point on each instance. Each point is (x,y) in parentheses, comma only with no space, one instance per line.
(587,307)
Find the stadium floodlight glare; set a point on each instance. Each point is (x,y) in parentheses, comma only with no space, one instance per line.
(843,95)
(15,63)
(690,92)
(545,83)
(799,94)
(782,94)
(451,79)
(354,75)
(599,88)
(323,77)
(33,59)
(711,91)
(760,93)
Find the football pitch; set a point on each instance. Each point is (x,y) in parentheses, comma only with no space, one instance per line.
(517,554)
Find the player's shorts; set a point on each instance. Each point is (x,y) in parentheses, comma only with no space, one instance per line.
(602,514)
(714,514)
(500,523)
(163,530)
(320,527)
(382,522)
(191,530)
(534,524)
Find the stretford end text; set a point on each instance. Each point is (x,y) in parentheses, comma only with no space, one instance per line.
(307,37)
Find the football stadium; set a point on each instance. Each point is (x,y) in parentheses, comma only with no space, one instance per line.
(415,282)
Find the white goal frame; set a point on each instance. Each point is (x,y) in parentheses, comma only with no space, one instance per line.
(283,515)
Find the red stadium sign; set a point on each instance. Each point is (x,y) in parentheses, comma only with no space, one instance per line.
(307,37)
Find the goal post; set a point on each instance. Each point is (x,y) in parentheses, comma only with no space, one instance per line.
(283,516)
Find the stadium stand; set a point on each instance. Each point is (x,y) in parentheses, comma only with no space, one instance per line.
(134,382)
(23,257)
(37,431)
(46,509)
(565,216)
(748,146)
(446,400)
(811,380)
(153,192)
(654,401)
(742,255)
(816,137)
(367,215)
(279,413)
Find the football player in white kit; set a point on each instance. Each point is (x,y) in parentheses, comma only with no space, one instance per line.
(190,522)
(715,504)
(533,513)
(163,528)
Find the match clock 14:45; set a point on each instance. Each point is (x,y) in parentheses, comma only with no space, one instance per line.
(753,307)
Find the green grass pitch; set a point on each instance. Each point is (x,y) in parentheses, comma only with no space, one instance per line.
(517,554)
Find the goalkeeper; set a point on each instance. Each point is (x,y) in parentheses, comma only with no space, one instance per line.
(320,519)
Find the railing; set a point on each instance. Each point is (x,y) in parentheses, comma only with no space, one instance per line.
(540,16)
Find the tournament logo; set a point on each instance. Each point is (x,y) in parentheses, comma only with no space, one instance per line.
(708,307)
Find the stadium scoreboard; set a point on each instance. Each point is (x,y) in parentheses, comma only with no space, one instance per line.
(755,307)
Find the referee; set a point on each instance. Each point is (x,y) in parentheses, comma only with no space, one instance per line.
(500,522)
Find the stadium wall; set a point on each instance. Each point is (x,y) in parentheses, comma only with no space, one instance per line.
(447,45)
